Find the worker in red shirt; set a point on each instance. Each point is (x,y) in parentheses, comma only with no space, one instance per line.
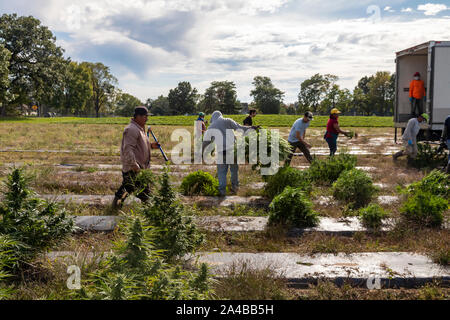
(416,95)
(333,131)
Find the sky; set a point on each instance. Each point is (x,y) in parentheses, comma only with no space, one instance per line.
(153,45)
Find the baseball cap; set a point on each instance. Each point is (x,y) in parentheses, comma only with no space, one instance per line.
(335,111)
(425,116)
(141,111)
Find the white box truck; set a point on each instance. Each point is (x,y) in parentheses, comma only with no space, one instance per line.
(432,60)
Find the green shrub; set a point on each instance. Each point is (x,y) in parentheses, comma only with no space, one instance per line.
(372,216)
(425,209)
(287,177)
(292,208)
(283,149)
(429,157)
(200,183)
(34,223)
(136,270)
(328,170)
(354,187)
(177,233)
(437,183)
(8,259)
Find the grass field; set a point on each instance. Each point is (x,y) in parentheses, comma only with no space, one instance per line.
(88,143)
(266,120)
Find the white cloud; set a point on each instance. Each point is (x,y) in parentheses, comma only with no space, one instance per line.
(432,9)
(152,45)
(389,9)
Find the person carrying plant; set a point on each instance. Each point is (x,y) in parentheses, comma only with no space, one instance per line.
(333,131)
(410,138)
(225,145)
(135,155)
(249,120)
(297,137)
(445,140)
(417,95)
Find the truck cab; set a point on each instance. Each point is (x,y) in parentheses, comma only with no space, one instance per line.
(432,61)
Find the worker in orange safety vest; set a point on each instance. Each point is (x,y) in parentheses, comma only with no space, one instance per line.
(417,95)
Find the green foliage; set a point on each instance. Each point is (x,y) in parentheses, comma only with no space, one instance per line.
(34,223)
(436,183)
(287,177)
(267,98)
(425,209)
(5,55)
(372,216)
(292,208)
(222,96)
(8,260)
(126,104)
(37,65)
(429,157)
(182,99)
(103,84)
(136,270)
(314,92)
(200,183)
(78,88)
(263,120)
(328,170)
(159,107)
(283,148)
(354,186)
(177,233)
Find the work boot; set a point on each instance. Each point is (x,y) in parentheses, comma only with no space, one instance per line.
(396,155)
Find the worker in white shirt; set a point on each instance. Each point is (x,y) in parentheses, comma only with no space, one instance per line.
(410,137)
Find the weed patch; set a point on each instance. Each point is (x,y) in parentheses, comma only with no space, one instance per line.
(200,183)
(292,208)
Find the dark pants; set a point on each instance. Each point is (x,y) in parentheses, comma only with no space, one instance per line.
(303,149)
(332,143)
(416,105)
(129,185)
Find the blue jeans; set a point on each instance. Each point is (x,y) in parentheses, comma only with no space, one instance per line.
(332,143)
(222,170)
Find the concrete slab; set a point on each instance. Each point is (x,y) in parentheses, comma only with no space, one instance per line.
(392,268)
(229,201)
(231,224)
(97,223)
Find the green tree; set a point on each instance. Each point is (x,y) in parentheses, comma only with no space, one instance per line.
(103,85)
(126,104)
(375,94)
(5,55)
(182,99)
(380,93)
(222,96)
(78,88)
(36,66)
(315,89)
(267,98)
(160,106)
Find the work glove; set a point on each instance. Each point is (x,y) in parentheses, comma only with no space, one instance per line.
(410,99)
(410,143)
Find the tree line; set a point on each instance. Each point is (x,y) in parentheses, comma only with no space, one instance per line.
(34,72)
